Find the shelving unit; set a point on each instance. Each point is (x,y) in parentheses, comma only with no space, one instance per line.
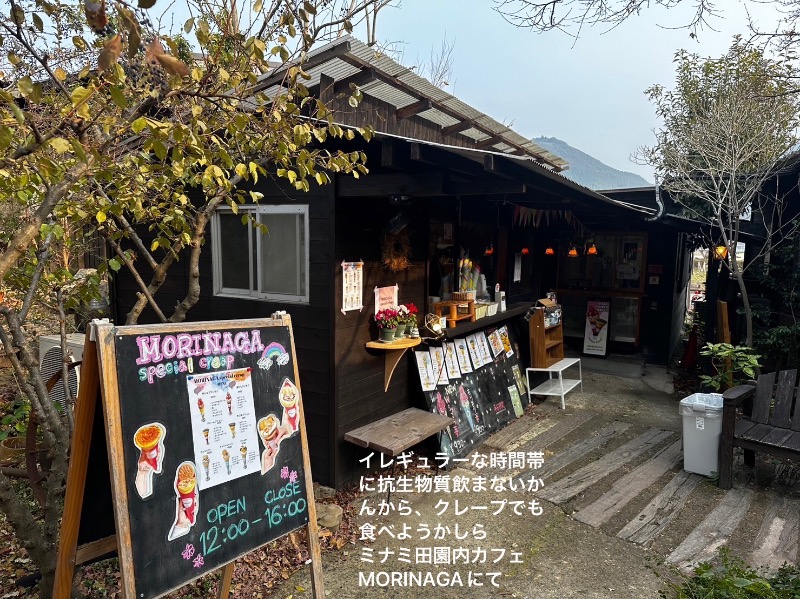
(556,384)
(450,308)
(547,342)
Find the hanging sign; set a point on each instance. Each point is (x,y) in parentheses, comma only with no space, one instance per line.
(352,286)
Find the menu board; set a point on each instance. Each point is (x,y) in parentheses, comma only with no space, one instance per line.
(208,454)
(476,380)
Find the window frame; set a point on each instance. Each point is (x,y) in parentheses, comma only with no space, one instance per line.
(255,273)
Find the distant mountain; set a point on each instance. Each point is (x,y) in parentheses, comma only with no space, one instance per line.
(589,171)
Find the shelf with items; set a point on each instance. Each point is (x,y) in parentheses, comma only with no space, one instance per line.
(455,311)
(546,335)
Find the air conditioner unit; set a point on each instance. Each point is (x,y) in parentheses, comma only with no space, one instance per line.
(74,345)
(51,361)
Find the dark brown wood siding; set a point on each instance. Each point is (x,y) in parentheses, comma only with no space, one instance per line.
(359,372)
(312,323)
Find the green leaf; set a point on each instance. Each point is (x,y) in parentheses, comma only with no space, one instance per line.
(352,101)
(188,25)
(25,86)
(60,145)
(37,22)
(118,97)
(6,136)
(139,125)
(147,3)
(241,170)
(17,15)
(114,264)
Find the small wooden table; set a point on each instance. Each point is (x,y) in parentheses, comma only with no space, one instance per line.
(394,351)
(396,433)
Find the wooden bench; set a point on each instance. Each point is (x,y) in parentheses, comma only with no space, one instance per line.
(396,433)
(770,422)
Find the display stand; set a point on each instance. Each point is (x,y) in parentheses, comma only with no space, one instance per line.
(394,351)
(547,342)
(452,314)
(556,384)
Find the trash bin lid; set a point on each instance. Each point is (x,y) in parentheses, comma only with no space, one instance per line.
(702,402)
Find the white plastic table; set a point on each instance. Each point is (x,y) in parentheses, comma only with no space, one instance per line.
(556,383)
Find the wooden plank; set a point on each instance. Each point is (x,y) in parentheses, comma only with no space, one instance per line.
(395,434)
(555,433)
(763,398)
(713,532)
(85,406)
(777,539)
(95,549)
(784,394)
(554,464)
(108,380)
(416,184)
(502,438)
(629,486)
(777,437)
(412,109)
(794,442)
(742,426)
(758,432)
(569,486)
(662,510)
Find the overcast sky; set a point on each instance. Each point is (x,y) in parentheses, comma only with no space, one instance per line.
(588,93)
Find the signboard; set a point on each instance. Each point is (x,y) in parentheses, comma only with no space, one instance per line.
(476,380)
(595,337)
(206,444)
(386,297)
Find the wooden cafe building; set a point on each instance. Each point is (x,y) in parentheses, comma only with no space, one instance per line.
(448,186)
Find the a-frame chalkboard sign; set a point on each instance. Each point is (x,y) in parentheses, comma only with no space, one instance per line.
(207,450)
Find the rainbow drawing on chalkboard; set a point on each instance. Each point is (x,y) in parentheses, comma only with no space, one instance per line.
(149,440)
(186,502)
(273,353)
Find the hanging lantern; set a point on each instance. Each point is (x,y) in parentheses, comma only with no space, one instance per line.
(489,250)
(549,251)
(526,251)
(592,249)
(721,252)
(573,251)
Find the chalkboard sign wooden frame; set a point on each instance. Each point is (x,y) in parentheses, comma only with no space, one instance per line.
(158,435)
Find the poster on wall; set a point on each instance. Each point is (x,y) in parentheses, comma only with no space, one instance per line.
(352,286)
(595,338)
(386,297)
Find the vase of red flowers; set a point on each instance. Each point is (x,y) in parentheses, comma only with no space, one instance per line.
(387,320)
(410,318)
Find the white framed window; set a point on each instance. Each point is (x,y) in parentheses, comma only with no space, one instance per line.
(269,264)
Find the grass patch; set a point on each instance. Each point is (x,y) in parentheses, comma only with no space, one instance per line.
(733,579)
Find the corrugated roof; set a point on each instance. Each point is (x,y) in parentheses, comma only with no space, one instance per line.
(447,109)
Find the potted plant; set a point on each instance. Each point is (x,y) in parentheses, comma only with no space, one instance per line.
(402,320)
(386,320)
(411,318)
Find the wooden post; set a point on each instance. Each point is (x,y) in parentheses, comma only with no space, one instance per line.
(224,588)
(724,336)
(85,406)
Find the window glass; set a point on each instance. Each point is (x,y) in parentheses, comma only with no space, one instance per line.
(281,254)
(235,251)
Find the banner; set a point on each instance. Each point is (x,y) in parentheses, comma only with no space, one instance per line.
(595,336)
